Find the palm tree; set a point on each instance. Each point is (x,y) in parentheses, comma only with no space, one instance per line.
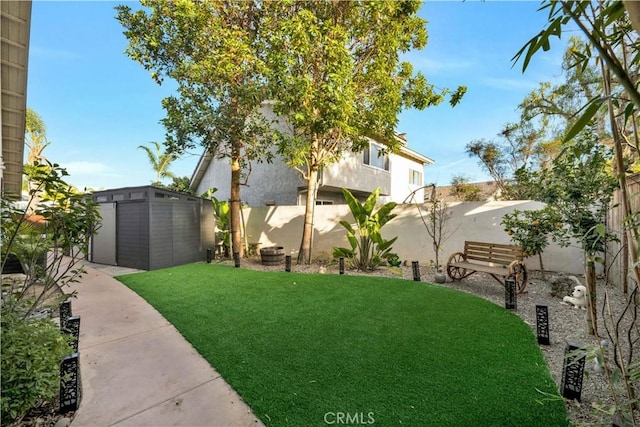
(160,161)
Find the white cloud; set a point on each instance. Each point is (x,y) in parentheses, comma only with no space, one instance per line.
(453,164)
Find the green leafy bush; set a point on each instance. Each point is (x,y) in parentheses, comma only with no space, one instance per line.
(368,249)
(221,212)
(531,229)
(394,260)
(49,242)
(30,361)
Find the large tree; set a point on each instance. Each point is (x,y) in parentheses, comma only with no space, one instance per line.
(545,115)
(336,76)
(613,43)
(517,146)
(213,50)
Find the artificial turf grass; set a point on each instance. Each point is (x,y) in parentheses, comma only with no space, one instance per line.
(299,346)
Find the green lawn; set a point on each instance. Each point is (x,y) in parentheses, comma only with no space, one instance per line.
(300,346)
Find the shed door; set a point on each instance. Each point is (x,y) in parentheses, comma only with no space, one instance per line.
(104,241)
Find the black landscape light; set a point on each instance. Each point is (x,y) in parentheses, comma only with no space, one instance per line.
(510,297)
(65,313)
(70,384)
(416,271)
(542,323)
(575,356)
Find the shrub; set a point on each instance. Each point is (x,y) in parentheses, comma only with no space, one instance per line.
(394,260)
(368,249)
(530,229)
(30,361)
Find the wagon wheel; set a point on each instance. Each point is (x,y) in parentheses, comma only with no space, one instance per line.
(456,273)
(518,271)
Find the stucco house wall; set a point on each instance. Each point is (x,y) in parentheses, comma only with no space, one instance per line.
(401,186)
(276,183)
(350,172)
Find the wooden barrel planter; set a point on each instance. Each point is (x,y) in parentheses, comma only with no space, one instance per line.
(273,255)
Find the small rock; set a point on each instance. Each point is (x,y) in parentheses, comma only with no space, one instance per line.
(562,285)
(62,422)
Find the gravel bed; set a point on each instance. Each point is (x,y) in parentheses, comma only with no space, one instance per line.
(565,324)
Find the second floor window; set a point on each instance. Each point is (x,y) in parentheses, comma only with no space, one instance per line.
(372,157)
(415,177)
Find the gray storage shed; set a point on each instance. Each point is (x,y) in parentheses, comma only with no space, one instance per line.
(150,228)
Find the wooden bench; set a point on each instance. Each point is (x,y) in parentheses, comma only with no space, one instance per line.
(498,260)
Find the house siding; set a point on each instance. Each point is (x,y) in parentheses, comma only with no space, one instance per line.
(281,184)
(401,187)
(274,181)
(350,172)
(278,184)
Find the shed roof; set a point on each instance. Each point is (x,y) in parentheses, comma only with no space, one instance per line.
(139,193)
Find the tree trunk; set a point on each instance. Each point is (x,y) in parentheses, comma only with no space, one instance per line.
(541,265)
(632,229)
(304,255)
(234,205)
(34,198)
(592,312)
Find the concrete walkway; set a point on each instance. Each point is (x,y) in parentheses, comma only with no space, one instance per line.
(137,370)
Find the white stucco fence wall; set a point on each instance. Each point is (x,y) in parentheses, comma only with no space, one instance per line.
(479,221)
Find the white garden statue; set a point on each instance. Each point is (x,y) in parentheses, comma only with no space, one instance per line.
(578,299)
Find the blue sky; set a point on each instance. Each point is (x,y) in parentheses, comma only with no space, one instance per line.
(99,105)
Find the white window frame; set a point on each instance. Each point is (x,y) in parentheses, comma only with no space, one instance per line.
(370,157)
(412,176)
